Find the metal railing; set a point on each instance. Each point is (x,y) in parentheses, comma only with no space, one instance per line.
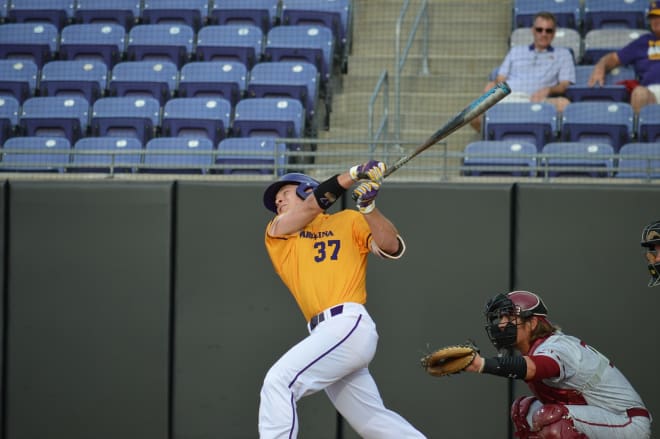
(382,90)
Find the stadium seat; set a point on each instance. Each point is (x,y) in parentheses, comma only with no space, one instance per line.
(564,37)
(535,123)
(195,155)
(607,14)
(127,116)
(598,42)
(193,13)
(577,159)
(106,154)
(35,154)
(9,108)
(648,123)
(225,79)
(295,79)
(63,116)
(499,157)
(156,79)
(336,15)
(611,91)
(639,160)
(567,12)
(269,117)
(85,78)
(37,42)
(18,78)
(59,13)
(197,117)
(231,42)
(251,155)
(161,42)
(314,44)
(125,13)
(96,41)
(597,122)
(264,14)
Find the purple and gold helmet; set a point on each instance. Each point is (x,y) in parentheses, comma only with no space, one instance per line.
(304,182)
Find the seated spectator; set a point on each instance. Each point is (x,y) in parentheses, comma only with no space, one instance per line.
(644,55)
(538,72)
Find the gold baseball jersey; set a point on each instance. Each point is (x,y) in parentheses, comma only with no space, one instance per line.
(325,263)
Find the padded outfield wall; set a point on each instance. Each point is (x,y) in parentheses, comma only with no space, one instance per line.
(150,309)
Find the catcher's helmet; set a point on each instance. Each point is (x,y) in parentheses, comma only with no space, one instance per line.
(304,182)
(651,238)
(516,303)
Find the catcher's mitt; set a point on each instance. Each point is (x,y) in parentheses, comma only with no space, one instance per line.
(449,359)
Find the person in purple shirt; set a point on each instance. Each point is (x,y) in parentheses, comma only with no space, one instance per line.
(644,55)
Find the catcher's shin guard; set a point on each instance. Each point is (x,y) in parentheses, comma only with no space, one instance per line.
(553,421)
(519,411)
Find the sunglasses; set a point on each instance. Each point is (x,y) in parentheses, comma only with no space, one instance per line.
(548,30)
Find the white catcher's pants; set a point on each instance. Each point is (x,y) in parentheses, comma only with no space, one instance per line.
(333,357)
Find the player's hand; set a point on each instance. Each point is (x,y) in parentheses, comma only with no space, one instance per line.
(372,170)
(365,195)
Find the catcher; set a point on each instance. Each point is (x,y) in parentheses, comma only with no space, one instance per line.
(578,393)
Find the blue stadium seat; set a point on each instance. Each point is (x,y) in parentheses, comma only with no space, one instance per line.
(639,160)
(197,117)
(125,13)
(499,157)
(567,12)
(648,123)
(225,79)
(156,79)
(536,123)
(37,42)
(106,154)
(598,122)
(127,116)
(564,37)
(59,13)
(193,13)
(161,42)
(18,78)
(314,44)
(295,79)
(85,78)
(264,14)
(606,14)
(195,155)
(104,42)
(9,108)
(251,155)
(63,116)
(36,154)
(578,159)
(598,42)
(611,91)
(231,42)
(269,117)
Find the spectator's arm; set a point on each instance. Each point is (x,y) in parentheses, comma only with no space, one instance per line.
(604,65)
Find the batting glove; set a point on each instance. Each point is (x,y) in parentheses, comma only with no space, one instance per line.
(365,195)
(372,170)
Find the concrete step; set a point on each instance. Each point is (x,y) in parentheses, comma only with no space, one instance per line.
(460,64)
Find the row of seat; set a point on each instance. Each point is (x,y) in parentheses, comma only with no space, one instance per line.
(247,155)
(558,159)
(613,123)
(584,15)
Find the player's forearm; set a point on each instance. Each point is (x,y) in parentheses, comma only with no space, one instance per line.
(383,231)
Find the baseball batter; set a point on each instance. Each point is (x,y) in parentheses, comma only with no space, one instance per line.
(322,259)
(578,392)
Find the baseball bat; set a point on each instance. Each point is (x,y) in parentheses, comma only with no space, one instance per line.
(476,107)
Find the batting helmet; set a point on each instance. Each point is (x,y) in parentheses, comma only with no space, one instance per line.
(651,238)
(304,182)
(516,303)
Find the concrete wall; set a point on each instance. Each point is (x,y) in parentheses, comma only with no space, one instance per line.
(151,310)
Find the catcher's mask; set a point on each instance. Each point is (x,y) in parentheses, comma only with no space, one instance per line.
(304,182)
(651,238)
(518,304)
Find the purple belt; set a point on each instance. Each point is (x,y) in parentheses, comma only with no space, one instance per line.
(318,318)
